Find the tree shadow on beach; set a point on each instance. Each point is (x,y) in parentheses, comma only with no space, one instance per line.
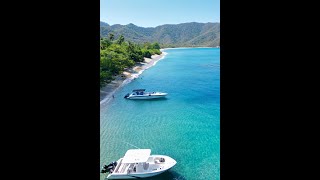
(131,71)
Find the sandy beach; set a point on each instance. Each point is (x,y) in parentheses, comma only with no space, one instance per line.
(106,93)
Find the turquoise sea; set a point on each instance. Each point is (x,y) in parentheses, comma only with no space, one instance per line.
(184,126)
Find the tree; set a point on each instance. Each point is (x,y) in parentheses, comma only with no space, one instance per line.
(147,45)
(134,52)
(120,40)
(111,36)
(146,53)
(104,43)
(156,45)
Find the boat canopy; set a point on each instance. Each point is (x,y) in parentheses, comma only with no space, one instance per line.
(135,90)
(136,155)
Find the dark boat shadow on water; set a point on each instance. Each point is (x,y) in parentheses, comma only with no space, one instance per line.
(158,99)
(168,175)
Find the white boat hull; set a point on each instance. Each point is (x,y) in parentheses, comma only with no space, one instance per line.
(154,169)
(147,96)
(133,176)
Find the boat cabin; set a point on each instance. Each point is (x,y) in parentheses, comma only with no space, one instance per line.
(138,91)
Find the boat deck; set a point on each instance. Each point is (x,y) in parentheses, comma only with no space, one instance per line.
(152,164)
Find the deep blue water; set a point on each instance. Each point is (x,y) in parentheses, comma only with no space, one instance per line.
(184,126)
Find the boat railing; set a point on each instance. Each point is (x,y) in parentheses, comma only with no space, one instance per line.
(118,166)
(124,168)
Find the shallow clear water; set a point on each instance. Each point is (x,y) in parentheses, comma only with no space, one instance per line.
(184,126)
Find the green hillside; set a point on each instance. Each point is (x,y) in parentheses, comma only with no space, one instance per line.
(169,35)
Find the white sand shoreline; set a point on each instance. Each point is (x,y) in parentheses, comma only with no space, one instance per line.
(107,92)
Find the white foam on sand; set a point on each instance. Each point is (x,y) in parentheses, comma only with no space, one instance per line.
(164,54)
(136,75)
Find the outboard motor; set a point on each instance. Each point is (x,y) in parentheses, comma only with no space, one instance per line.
(109,168)
(114,163)
(104,169)
(127,95)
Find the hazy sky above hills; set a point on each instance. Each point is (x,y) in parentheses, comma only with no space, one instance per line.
(151,13)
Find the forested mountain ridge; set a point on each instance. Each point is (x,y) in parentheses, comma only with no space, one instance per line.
(191,34)
(103,24)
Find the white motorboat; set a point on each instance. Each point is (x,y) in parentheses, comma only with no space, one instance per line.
(141,94)
(138,163)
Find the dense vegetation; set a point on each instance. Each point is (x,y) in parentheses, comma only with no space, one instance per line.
(179,35)
(118,54)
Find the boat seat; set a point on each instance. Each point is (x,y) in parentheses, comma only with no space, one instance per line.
(129,170)
(145,166)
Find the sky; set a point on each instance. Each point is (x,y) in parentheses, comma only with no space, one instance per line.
(152,13)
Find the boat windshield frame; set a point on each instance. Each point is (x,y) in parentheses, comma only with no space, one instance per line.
(136,156)
(138,90)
